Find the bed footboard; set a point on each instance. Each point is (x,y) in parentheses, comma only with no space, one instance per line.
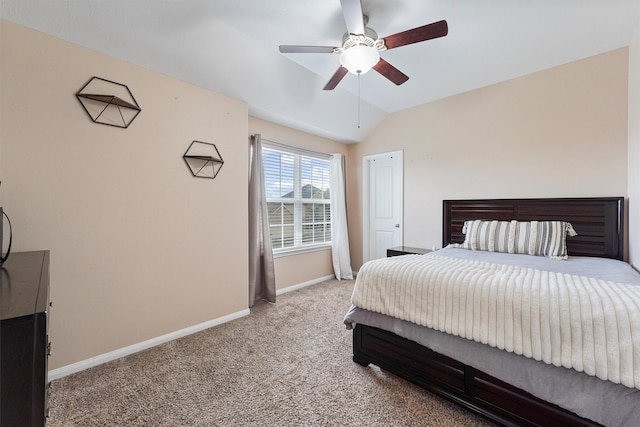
(460,383)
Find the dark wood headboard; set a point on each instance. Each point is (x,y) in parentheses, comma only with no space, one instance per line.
(598,221)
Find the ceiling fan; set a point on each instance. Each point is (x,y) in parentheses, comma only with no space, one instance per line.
(361,47)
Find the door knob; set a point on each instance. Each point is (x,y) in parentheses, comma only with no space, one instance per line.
(397,225)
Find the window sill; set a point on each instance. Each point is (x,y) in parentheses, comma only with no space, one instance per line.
(296,251)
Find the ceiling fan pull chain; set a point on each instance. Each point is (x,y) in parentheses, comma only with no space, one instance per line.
(358,100)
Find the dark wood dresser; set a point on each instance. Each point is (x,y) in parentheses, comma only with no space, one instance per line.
(24,348)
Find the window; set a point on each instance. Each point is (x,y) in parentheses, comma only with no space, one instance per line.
(298,198)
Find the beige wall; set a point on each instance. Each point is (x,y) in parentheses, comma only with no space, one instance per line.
(292,270)
(139,248)
(634,149)
(561,132)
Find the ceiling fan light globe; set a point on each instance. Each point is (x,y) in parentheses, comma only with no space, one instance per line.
(359,59)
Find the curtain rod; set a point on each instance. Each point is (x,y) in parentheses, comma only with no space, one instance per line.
(296,149)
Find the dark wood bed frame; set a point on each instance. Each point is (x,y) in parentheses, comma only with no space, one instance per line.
(599,224)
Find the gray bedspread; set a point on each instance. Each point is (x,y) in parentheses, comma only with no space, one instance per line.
(598,400)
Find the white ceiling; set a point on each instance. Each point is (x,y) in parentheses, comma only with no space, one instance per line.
(231,47)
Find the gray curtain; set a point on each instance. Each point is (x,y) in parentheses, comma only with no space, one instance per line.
(262,279)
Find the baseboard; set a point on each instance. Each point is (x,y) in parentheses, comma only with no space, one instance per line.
(304,284)
(55,374)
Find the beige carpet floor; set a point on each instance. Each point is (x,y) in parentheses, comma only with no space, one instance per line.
(287,364)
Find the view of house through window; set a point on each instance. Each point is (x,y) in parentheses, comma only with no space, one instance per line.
(298,198)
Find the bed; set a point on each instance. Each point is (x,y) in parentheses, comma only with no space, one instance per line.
(505,386)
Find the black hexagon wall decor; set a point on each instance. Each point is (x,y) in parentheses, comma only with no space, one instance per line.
(108,103)
(203,159)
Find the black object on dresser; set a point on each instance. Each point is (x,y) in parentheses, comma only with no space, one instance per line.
(406,250)
(24,306)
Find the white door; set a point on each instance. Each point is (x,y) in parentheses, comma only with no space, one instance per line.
(383,207)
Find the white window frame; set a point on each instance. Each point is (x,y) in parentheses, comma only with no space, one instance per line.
(297,200)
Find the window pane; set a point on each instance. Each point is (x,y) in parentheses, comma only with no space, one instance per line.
(287,236)
(280,213)
(314,178)
(318,233)
(315,212)
(307,234)
(278,173)
(307,213)
(287,213)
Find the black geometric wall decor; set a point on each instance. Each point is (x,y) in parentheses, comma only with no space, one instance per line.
(203,159)
(108,103)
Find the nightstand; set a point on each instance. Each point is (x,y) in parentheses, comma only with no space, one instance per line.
(406,250)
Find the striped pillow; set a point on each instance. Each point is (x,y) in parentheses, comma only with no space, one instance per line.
(542,238)
(551,238)
(481,235)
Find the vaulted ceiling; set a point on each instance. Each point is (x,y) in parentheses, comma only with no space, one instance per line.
(231,47)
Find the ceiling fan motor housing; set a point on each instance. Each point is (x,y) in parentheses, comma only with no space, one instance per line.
(369,38)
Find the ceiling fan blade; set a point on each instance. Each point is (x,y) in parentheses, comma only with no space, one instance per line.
(336,78)
(352,11)
(390,72)
(285,48)
(420,34)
